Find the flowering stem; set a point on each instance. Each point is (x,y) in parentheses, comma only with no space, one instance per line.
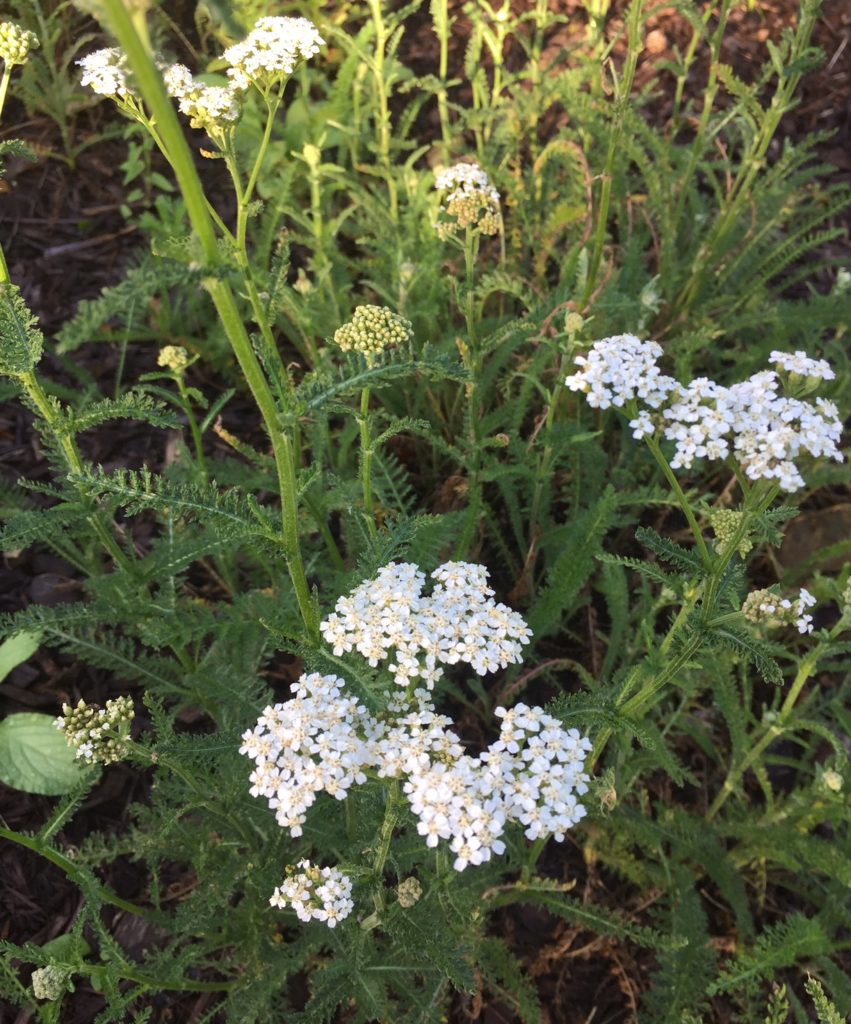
(774,728)
(74,872)
(194,429)
(385,836)
(671,477)
(440,17)
(622,95)
(366,461)
(377,66)
(4,85)
(152,89)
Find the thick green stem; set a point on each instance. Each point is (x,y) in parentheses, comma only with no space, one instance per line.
(152,89)
(383,114)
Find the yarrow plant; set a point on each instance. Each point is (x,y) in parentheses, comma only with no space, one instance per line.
(351,769)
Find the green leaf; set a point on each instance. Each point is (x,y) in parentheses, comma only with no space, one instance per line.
(21,342)
(34,756)
(16,650)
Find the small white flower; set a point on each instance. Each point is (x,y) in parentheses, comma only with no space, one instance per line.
(799,362)
(105,71)
(469,200)
(321,894)
(271,51)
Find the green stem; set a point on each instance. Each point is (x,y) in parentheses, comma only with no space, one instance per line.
(4,85)
(671,477)
(622,97)
(152,89)
(366,462)
(74,872)
(440,15)
(194,429)
(383,115)
(772,731)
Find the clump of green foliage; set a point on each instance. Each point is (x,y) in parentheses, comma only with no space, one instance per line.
(445,431)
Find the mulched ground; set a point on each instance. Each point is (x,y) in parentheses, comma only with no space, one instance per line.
(65,239)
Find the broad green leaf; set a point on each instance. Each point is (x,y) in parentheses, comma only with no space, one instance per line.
(16,650)
(34,756)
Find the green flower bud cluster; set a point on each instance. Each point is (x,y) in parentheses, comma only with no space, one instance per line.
(16,42)
(99,734)
(50,982)
(372,329)
(726,522)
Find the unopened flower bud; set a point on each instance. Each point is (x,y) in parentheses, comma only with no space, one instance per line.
(769,609)
(832,780)
(726,523)
(469,200)
(409,892)
(573,323)
(373,329)
(50,982)
(174,357)
(98,734)
(16,43)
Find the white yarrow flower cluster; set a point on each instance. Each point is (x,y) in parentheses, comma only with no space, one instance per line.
(314,743)
(105,71)
(210,107)
(324,741)
(767,608)
(469,200)
(389,617)
(314,893)
(271,51)
(764,430)
(800,363)
(98,735)
(620,369)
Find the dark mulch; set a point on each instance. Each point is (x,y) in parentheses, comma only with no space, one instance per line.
(65,239)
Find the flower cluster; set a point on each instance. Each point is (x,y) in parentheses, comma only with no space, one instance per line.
(321,894)
(174,358)
(316,742)
(469,200)
(764,606)
(390,619)
(105,71)
(16,43)
(372,329)
(210,107)
(271,51)
(620,369)
(323,741)
(726,523)
(765,431)
(98,734)
(800,363)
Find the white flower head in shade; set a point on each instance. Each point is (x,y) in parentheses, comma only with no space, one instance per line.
(468,200)
(271,52)
(316,742)
(314,893)
(390,619)
(769,609)
(106,73)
